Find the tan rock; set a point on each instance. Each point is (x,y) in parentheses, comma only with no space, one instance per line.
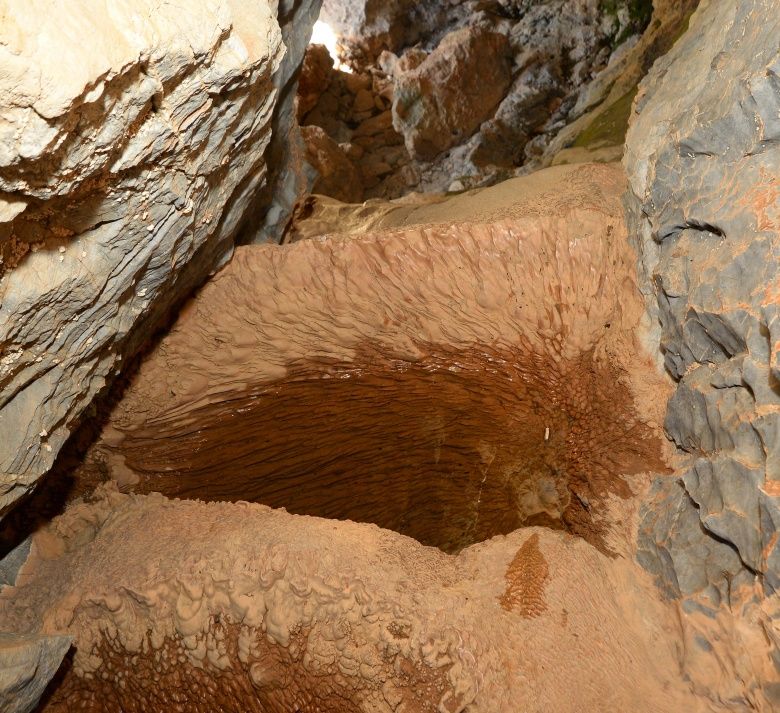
(444,100)
(364,101)
(224,606)
(375,125)
(336,174)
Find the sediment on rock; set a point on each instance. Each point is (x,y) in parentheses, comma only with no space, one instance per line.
(258,610)
(450,381)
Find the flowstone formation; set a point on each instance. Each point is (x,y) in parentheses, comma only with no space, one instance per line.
(237,607)
(508,449)
(530,402)
(448,380)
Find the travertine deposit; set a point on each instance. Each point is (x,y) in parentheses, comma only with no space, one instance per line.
(450,381)
(254,609)
(496,451)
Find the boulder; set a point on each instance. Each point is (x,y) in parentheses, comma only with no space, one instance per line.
(128,164)
(27,664)
(444,100)
(335,175)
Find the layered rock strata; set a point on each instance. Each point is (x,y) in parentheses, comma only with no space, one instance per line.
(127,165)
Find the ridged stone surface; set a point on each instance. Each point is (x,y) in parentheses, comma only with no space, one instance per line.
(132,142)
(702,157)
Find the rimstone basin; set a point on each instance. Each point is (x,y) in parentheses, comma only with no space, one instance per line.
(449,381)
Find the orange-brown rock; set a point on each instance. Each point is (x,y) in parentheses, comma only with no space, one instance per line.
(182,605)
(470,373)
(336,175)
(314,78)
(450,381)
(441,102)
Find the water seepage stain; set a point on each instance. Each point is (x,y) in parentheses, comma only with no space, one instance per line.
(450,449)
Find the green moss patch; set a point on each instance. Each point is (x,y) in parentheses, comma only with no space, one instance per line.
(608,128)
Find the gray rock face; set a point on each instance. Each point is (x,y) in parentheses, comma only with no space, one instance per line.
(27,664)
(702,155)
(286,183)
(127,166)
(366,27)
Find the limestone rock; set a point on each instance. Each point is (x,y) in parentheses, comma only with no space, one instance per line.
(336,174)
(702,153)
(599,119)
(366,27)
(127,165)
(286,181)
(574,67)
(443,101)
(27,664)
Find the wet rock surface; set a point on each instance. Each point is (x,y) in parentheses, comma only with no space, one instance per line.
(514,327)
(127,166)
(706,218)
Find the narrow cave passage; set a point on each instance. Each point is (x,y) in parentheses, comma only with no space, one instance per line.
(369,364)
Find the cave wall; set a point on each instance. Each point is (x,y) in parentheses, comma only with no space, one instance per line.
(454,94)
(704,201)
(128,163)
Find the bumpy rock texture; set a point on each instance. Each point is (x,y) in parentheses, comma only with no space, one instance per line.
(514,326)
(442,101)
(703,153)
(482,91)
(127,165)
(237,607)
